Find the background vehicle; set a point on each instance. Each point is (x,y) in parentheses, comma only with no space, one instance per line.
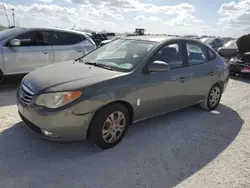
(108,41)
(125,81)
(229,50)
(215,43)
(240,64)
(24,50)
(98,38)
(137,32)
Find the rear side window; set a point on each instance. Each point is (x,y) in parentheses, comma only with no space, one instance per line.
(197,53)
(171,54)
(211,54)
(64,38)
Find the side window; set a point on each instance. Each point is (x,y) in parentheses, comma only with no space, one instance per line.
(55,39)
(218,42)
(171,54)
(211,54)
(34,38)
(197,53)
(69,38)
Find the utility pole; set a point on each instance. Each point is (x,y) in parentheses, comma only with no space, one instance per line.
(13,15)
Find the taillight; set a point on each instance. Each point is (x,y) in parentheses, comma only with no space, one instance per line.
(228,62)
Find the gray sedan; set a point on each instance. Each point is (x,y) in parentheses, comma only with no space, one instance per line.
(128,80)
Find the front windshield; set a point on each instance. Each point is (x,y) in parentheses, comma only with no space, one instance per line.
(8,32)
(207,40)
(121,54)
(231,43)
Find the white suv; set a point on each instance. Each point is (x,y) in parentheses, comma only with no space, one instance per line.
(23,50)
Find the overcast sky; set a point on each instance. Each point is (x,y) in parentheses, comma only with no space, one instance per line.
(212,17)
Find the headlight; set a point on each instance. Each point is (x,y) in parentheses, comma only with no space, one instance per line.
(56,100)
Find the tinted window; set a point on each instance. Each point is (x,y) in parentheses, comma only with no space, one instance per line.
(64,38)
(197,53)
(34,38)
(170,54)
(218,41)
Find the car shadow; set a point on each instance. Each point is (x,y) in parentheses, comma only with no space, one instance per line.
(160,152)
(241,78)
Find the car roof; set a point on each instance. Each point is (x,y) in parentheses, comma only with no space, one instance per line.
(58,29)
(160,39)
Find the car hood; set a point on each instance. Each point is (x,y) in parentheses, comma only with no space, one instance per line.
(243,44)
(68,75)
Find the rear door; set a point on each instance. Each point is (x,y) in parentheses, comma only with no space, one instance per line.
(202,71)
(34,52)
(69,46)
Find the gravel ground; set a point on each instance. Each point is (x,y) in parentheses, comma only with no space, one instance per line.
(189,148)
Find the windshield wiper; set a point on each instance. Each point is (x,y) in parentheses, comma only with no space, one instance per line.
(99,65)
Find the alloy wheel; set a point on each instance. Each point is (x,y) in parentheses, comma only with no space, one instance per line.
(113,127)
(214,96)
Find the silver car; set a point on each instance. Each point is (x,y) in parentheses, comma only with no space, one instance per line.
(24,50)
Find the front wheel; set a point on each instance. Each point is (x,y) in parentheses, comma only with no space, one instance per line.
(109,126)
(212,99)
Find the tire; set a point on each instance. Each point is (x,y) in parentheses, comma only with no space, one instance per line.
(102,128)
(1,77)
(207,104)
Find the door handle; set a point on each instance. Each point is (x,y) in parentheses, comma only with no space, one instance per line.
(182,79)
(211,73)
(46,51)
(80,51)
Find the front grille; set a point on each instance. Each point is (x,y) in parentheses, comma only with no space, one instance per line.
(25,94)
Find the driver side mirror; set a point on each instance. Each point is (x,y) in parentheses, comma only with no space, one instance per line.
(158,66)
(15,42)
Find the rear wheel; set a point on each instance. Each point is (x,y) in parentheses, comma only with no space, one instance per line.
(1,77)
(109,126)
(213,98)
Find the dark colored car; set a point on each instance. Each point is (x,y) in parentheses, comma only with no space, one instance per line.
(215,43)
(229,50)
(240,64)
(98,38)
(128,80)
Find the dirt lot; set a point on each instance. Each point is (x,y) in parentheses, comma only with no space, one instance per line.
(189,148)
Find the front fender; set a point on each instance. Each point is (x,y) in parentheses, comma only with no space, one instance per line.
(93,104)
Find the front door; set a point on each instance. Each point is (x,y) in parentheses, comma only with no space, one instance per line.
(34,52)
(164,91)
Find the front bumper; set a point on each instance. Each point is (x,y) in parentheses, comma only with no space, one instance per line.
(63,124)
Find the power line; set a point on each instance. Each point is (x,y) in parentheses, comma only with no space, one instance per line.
(6,13)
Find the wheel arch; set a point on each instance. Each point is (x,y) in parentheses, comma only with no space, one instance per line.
(221,85)
(124,103)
